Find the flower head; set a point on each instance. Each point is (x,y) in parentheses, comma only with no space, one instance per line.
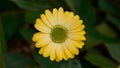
(60,34)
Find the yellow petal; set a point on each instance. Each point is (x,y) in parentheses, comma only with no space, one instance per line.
(73,20)
(52,53)
(77,35)
(59,53)
(45,20)
(67,17)
(35,37)
(60,15)
(78,44)
(81,44)
(77,24)
(57,60)
(39,25)
(70,45)
(41,39)
(50,17)
(41,51)
(65,58)
(68,53)
(82,32)
(79,28)
(63,53)
(41,43)
(55,16)
(47,50)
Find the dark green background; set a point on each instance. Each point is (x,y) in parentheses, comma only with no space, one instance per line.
(101,18)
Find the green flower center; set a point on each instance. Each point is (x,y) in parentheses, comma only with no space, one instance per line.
(58,34)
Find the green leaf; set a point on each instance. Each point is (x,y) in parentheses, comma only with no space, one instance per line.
(18,60)
(46,63)
(27,33)
(31,16)
(103,33)
(31,4)
(106,30)
(106,6)
(114,50)
(97,59)
(114,20)
(95,34)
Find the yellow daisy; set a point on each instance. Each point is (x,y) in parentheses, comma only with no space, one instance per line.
(61,34)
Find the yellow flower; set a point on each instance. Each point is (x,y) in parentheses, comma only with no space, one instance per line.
(61,34)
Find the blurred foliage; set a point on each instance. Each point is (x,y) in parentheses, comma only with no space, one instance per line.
(101,18)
